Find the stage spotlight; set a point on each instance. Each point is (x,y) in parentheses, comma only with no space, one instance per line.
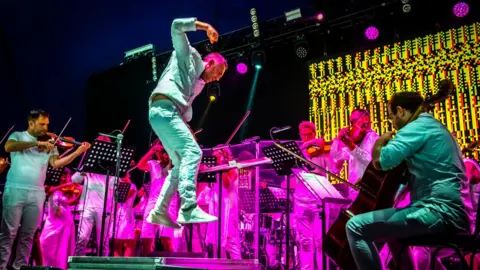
(213,91)
(372,33)
(255,26)
(461,9)
(242,66)
(406,8)
(258,59)
(320,17)
(301,48)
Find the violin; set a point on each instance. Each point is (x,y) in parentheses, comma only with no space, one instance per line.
(61,142)
(4,161)
(358,130)
(318,147)
(70,189)
(3,164)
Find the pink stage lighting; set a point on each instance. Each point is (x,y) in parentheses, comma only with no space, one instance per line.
(320,16)
(242,68)
(461,9)
(371,33)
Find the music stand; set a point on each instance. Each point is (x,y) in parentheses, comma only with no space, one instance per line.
(53,176)
(324,192)
(123,189)
(283,162)
(102,159)
(209,161)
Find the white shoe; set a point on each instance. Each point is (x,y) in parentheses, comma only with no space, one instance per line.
(162,219)
(196,215)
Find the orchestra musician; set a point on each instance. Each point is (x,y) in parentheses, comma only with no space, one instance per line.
(24,193)
(125,226)
(436,174)
(354,145)
(57,239)
(158,172)
(306,211)
(422,255)
(170,108)
(92,200)
(230,234)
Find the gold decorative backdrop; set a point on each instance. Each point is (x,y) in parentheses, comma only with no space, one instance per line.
(368,79)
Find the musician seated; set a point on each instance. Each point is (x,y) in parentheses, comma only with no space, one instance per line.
(436,170)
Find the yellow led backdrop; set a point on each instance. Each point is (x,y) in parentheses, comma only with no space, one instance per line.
(368,79)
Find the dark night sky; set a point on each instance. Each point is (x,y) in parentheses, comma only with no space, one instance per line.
(49,48)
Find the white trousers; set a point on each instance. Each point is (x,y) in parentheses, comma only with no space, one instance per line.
(92,216)
(21,208)
(182,149)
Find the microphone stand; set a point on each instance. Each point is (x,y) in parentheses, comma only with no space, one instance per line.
(115,187)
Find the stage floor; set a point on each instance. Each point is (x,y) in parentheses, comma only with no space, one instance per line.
(93,263)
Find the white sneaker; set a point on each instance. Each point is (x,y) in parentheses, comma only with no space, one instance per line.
(162,219)
(196,215)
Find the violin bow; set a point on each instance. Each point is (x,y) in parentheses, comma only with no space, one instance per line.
(6,134)
(238,127)
(126,125)
(63,130)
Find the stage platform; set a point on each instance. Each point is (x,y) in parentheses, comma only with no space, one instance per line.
(94,263)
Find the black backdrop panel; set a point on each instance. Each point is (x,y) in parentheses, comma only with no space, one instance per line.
(117,95)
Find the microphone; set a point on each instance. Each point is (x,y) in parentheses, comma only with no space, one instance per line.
(281,129)
(252,139)
(119,143)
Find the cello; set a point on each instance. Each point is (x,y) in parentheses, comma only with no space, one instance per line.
(377,190)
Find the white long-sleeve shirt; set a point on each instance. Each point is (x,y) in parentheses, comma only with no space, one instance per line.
(358,159)
(180,80)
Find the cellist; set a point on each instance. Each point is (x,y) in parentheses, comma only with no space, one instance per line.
(436,171)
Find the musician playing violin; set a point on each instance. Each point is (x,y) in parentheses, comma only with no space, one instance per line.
(24,190)
(306,211)
(354,145)
(436,174)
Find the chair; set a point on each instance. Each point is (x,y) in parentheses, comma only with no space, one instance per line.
(459,242)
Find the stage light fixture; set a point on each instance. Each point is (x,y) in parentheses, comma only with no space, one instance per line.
(213,91)
(372,33)
(242,66)
(255,26)
(258,59)
(461,9)
(320,17)
(406,8)
(293,15)
(301,47)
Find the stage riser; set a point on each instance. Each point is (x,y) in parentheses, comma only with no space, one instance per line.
(100,263)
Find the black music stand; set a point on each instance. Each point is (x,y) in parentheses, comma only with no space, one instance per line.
(283,162)
(102,159)
(209,161)
(53,176)
(123,189)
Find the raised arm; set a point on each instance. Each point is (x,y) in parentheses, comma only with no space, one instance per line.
(181,45)
(57,162)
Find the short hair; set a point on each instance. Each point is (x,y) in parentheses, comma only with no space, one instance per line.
(307,124)
(217,58)
(408,100)
(35,114)
(362,111)
(103,138)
